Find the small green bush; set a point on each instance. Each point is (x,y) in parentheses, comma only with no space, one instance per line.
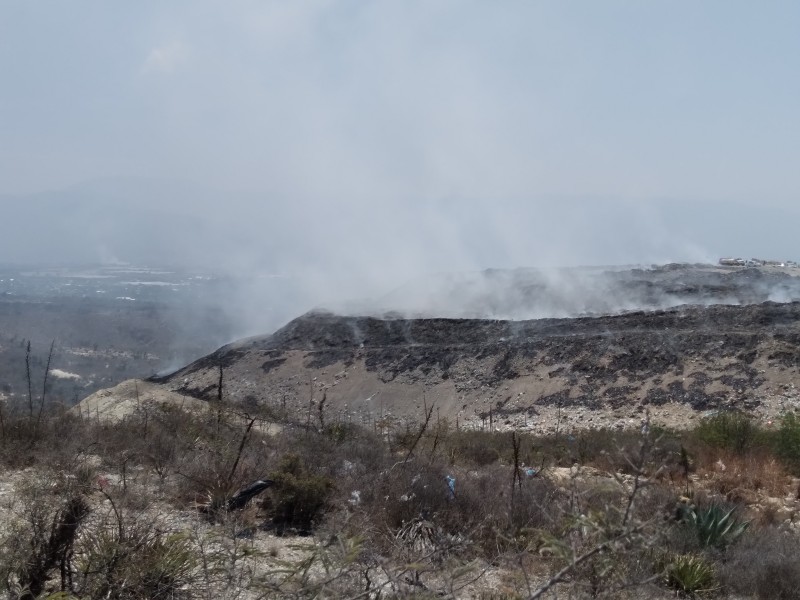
(298,496)
(691,574)
(730,430)
(787,440)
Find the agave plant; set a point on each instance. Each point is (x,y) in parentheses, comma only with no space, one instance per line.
(714,526)
(691,574)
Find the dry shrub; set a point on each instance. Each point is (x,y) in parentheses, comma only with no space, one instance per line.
(738,476)
(786,441)
(657,501)
(769,515)
(43,535)
(212,460)
(538,507)
(764,565)
(407,492)
(605,448)
(503,520)
(61,538)
(476,448)
(133,559)
(336,451)
(25,442)
(615,451)
(481,514)
(599,496)
(206,476)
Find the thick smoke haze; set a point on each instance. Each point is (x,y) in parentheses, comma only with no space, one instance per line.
(327,152)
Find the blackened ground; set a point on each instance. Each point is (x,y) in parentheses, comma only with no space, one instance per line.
(702,357)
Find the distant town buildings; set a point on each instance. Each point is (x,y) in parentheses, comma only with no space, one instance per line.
(732,262)
(756,262)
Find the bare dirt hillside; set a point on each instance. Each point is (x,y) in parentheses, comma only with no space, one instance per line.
(132,396)
(537,374)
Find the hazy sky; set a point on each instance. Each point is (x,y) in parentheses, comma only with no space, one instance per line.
(427,134)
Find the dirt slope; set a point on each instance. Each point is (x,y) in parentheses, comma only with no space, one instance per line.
(125,399)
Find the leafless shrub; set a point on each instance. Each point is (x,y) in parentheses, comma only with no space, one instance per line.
(129,557)
(43,536)
(764,565)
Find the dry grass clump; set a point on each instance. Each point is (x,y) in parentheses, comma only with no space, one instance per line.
(740,477)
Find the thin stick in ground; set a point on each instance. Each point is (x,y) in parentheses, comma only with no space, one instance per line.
(422,429)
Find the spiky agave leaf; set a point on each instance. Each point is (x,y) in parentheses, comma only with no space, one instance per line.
(715,527)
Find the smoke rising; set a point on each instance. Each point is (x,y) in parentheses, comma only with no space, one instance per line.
(322,154)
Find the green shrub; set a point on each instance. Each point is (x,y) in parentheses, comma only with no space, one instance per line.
(298,496)
(730,430)
(787,440)
(691,574)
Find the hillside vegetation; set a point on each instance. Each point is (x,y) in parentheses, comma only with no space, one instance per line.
(147,507)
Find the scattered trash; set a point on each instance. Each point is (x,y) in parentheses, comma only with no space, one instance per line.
(243,496)
(530,471)
(355,497)
(451,485)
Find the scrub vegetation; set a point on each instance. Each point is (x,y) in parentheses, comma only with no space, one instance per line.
(141,508)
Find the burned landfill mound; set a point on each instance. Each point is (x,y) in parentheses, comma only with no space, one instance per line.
(539,375)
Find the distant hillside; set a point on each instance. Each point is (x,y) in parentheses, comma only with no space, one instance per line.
(570,292)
